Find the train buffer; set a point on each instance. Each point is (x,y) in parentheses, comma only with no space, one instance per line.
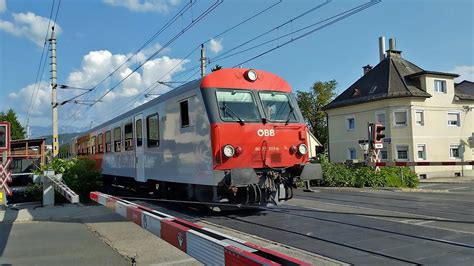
(206,245)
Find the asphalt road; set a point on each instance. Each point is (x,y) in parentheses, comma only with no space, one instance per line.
(365,226)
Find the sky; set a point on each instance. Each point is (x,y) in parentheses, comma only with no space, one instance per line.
(97,42)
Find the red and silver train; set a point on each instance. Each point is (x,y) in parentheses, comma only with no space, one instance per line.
(235,136)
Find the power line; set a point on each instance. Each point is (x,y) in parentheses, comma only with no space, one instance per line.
(154,36)
(161,30)
(341,17)
(272,29)
(189,26)
(292,33)
(159,81)
(40,67)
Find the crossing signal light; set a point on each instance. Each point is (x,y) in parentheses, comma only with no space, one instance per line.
(379,134)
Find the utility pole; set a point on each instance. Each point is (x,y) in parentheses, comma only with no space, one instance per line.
(203,61)
(54,101)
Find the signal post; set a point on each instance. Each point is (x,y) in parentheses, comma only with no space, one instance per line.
(376,135)
(5,174)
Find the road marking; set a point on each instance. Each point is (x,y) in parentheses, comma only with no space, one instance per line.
(458,188)
(392,219)
(427,185)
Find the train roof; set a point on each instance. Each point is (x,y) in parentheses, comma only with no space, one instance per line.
(217,79)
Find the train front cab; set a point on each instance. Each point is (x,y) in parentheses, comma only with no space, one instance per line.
(259,138)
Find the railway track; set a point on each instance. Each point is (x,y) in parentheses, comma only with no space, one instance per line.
(347,237)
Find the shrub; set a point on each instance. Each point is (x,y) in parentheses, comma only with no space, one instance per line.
(80,175)
(341,175)
(336,175)
(34,191)
(83,177)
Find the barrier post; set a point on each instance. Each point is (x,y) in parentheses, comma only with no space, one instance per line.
(3,192)
(48,190)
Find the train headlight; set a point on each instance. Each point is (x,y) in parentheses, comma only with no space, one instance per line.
(302,149)
(251,75)
(228,151)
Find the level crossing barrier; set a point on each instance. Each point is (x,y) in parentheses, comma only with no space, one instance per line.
(51,182)
(419,163)
(206,245)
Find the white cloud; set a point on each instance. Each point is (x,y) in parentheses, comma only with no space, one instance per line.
(161,6)
(215,46)
(41,103)
(3,6)
(95,66)
(28,25)
(465,73)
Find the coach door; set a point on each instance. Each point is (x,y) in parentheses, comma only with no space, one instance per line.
(139,152)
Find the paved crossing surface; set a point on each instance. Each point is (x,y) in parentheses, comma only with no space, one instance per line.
(365,226)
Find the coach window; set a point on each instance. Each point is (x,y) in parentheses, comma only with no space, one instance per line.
(184,113)
(237,106)
(93,144)
(138,129)
(117,139)
(107,141)
(99,143)
(128,137)
(277,106)
(153,131)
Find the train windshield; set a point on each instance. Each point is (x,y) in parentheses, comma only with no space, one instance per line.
(277,106)
(237,105)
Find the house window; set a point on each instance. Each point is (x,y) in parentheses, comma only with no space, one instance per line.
(383,154)
(420,117)
(400,118)
(421,151)
(454,119)
(350,121)
(402,152)
(380,118)
(440,86)
(351,154)
(454,151)
(153,131)
(184,113)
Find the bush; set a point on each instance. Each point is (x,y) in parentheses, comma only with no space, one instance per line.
(34,192)
(80,175)
(83,177)
(341,175)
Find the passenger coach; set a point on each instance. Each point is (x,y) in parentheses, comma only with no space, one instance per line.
(234,136)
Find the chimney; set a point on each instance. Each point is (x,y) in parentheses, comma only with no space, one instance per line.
(382,48)
(367,68)
(392,51)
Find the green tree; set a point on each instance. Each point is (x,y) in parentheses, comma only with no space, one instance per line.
(311,103)
(17,131)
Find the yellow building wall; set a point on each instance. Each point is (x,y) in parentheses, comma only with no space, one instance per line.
(435,133)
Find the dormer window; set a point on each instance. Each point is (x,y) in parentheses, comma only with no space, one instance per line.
(356,93)
(440,86)
(372,90)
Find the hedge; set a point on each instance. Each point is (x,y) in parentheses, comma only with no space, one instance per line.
(81,175)
(341,175)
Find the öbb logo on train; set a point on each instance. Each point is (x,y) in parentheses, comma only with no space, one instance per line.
(266,132)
